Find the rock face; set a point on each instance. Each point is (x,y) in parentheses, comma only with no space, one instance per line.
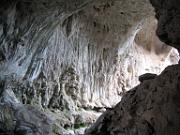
(71,61)
(19,119)
(151,108)
(69,55)
(167,13)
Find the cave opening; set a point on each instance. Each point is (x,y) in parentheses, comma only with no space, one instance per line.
(65,66)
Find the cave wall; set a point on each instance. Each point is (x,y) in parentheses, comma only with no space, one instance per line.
(65,57)
(46,45)
(151,108)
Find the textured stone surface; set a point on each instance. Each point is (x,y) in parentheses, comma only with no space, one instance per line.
(75,48)
(74,58)
(168,15)
(19,119)
(152,108)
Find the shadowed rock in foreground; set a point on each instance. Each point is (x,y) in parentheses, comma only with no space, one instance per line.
(71,59)
(168,15)
(152,108)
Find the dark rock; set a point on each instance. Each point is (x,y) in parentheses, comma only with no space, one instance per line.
(168,15)
(147,76)
(148,111)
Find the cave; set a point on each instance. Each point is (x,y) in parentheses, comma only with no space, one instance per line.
(89,67)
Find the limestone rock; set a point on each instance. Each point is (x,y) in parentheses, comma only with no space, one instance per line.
(19,119)
(152,108)
(67,56)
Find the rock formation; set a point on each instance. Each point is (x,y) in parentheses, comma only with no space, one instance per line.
(151,108)
(62,62)
(167,13)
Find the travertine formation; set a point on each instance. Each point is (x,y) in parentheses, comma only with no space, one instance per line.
(64,62)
